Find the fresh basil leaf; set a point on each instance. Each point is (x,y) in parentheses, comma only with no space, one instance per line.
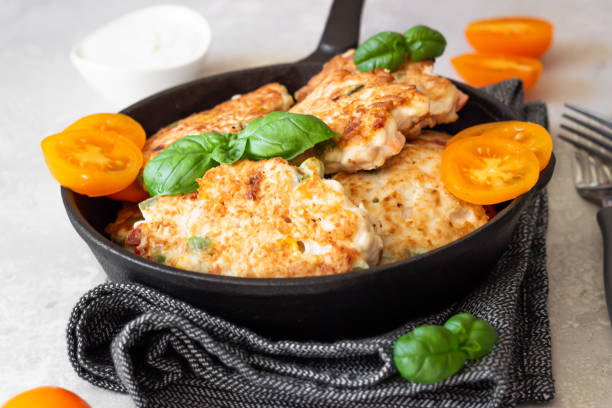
(230,152)
(428,354)
(476,336)
(284,134)
(175,169)
(384,50)
(424,43)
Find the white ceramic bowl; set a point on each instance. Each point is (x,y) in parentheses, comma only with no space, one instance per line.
(126,84)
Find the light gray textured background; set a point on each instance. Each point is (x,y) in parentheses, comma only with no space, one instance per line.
(45,267)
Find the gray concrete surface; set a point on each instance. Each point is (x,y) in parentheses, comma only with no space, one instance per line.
(45,267)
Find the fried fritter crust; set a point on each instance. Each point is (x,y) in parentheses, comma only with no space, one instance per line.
(445,98)
(259,219)
(410,207)
(122,227)
(228,117)
(371,111)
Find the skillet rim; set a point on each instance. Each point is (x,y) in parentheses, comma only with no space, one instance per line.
(299,285)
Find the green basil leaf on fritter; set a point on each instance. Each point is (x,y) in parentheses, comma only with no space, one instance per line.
(175,169)
(385,50)
(230,152)
(424,43)
(284,134)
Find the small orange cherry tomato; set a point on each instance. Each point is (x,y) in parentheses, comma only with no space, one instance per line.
(46,397)
(525,36)
(487,69)
(483,170)
(529,134)
(132,193)
(118,123)
(90,162)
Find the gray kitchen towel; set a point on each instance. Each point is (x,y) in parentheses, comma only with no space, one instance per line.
(166,353)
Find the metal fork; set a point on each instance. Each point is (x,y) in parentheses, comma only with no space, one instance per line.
(592,137)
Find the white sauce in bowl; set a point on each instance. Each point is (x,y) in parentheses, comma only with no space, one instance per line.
(156,37)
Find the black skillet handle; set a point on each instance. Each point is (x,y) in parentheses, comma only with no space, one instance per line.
(341,30)
(604,218)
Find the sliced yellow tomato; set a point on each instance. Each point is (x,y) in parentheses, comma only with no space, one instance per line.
(526,36)
(118,123)
(132,193)
(484,170)
(46,397)
(487,69)
(90,162)
(529,134)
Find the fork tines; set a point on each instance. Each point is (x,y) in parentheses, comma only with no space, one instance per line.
(592,138)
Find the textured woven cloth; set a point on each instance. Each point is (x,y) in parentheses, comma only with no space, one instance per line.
(166,353)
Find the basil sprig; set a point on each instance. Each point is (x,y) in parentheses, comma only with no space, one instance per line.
(424,43)
(278,134)
(429,354)
(388,49)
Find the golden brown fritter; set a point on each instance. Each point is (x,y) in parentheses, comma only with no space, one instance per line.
(410,207)
(228,117)
(371,111)
(376,124)
(445,99)
(259,219)
(122,227)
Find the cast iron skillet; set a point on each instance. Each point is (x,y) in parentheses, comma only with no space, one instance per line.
(354,304)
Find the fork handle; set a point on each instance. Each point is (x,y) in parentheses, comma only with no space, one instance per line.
(604,218)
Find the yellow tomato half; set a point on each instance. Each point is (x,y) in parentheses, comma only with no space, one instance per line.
(526,36)
(529,134)
(90,162)
(117,123)
(483,170)
(487,69)
(46,397)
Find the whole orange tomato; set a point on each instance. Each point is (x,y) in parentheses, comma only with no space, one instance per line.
(46,397)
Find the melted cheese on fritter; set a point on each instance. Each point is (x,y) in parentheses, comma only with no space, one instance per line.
(444,98)
(410,207)
(371,111)
(259,219)
(228,117)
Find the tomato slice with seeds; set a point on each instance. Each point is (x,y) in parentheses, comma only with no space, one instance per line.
(526,36)
(117,123)
(487,69)
(529,134)
(90,162)
(483,170)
